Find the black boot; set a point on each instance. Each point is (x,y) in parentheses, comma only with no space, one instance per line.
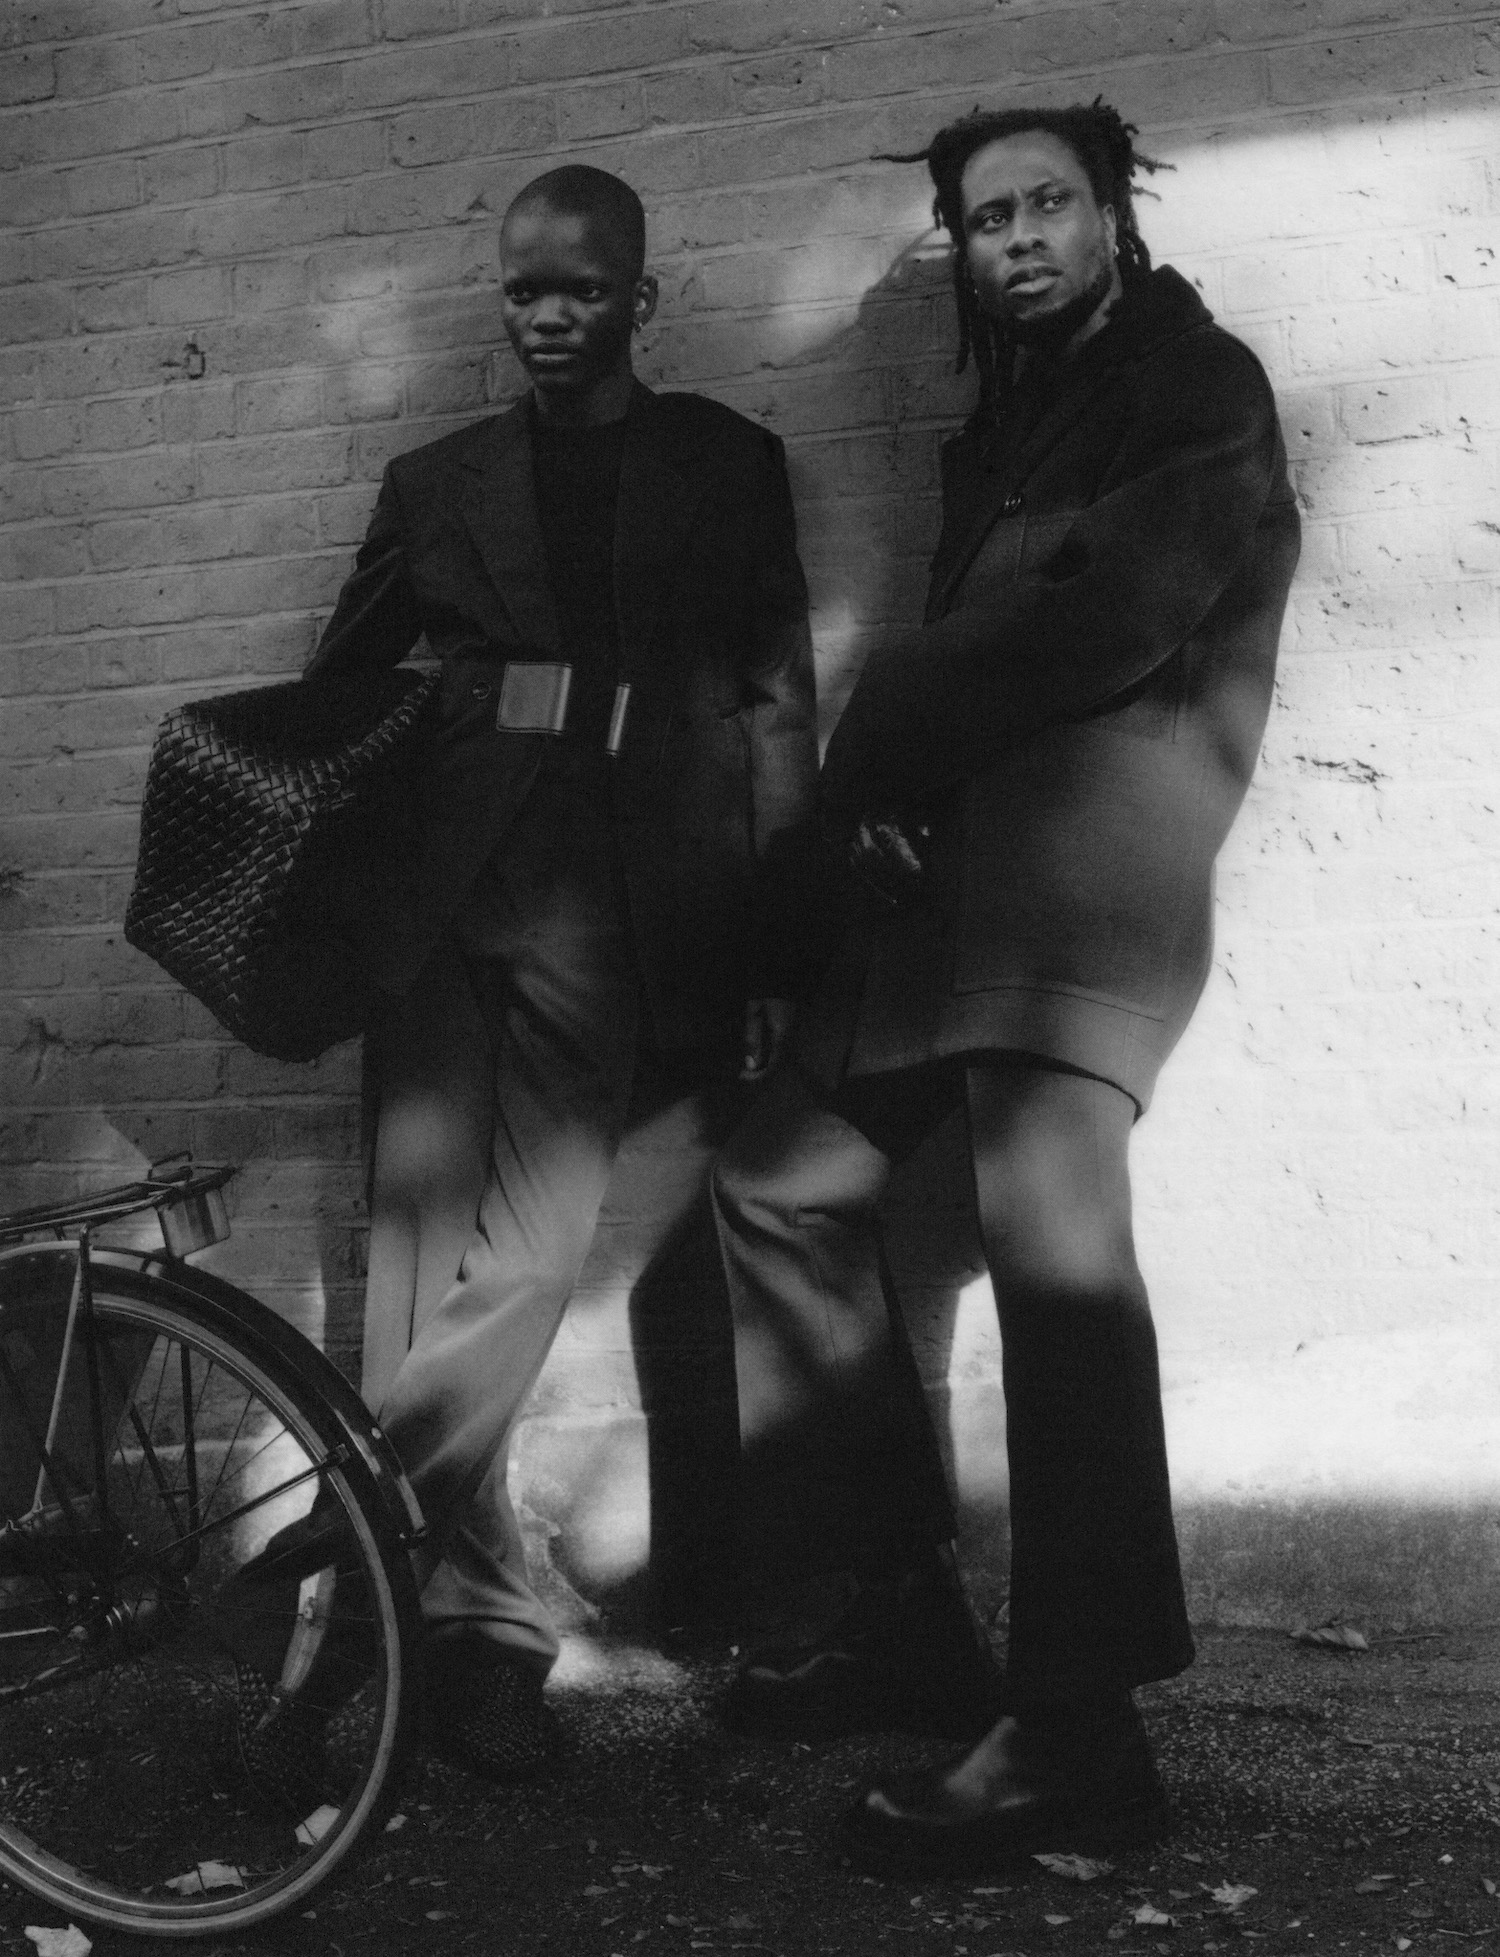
(1070,1777)
(906,1655)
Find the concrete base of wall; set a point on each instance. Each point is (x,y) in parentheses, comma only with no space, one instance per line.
(1386,1566)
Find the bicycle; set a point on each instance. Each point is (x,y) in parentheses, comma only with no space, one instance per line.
(163,1436)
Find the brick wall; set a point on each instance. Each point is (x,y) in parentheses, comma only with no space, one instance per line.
(250,256)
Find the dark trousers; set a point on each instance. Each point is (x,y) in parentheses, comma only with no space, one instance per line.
(829,1420)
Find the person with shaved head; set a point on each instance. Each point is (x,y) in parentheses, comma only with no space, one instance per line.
(619,781)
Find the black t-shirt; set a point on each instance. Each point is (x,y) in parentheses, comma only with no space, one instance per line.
(577,490)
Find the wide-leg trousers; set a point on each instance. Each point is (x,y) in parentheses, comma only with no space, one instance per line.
(504,1080)
(1096,1600)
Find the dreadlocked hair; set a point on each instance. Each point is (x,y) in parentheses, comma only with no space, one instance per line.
(1104,145)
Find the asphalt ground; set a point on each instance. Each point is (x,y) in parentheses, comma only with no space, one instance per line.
(1324,1800)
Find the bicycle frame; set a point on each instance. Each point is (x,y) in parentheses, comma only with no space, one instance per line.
(190,1211)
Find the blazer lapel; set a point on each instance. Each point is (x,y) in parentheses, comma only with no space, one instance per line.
(502,518)
(659,497)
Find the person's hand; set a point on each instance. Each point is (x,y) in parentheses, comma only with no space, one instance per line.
(768,1022)
(885,857)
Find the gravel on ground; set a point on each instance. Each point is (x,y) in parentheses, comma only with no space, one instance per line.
(1324,1801)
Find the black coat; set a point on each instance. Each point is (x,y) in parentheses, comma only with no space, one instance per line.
(714,788)
(1081,713)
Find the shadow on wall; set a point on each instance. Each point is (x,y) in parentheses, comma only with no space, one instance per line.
(846,350)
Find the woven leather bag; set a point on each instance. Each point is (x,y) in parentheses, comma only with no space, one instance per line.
(260,809)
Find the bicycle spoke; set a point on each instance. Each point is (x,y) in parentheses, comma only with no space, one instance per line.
(131,1657)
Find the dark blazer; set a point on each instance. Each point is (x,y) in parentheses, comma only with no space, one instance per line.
(1081,713)
(714,788)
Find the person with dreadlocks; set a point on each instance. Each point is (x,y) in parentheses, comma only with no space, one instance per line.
(1034,788)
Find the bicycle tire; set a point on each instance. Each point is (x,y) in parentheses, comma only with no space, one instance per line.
(220,1423)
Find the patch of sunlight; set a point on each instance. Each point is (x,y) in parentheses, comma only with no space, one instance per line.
(587,1660)
(1345,1415)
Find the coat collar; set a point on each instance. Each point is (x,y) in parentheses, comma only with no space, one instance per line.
(1154,310)
(659,496)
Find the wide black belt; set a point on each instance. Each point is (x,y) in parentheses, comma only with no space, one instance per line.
(534,700)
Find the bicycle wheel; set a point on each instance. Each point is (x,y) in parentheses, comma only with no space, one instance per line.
(147,1668)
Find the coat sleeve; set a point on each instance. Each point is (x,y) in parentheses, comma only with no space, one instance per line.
(782,726)
(1137,571)
(377,619)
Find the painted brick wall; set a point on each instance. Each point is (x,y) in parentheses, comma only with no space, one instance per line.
(301,199)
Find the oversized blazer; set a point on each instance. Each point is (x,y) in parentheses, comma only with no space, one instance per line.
(1079,717)
(714,788)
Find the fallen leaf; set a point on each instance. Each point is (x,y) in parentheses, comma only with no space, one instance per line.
(396,1823)
(1055,1920)
(317,1824)
(1403,1943)
(1341,1637)
(221,1875)
(1233,1894)
(59,1943)
(1148,1916)
(1077,1868)
(597,1889)
(207,1875)
(1373,1885)
(1489,1886)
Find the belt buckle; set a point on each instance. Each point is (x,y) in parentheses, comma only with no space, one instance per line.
(534,696)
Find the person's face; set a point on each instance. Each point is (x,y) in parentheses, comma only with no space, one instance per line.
(1038,244)
(568,302)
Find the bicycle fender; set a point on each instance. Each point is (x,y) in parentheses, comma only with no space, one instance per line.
(245,1321)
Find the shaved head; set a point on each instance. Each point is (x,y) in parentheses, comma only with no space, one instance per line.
(609,207)
(574,288)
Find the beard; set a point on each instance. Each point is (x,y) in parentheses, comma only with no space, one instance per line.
(1051,332)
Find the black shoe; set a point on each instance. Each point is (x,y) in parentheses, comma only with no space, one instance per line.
(281,1744)
(1079,1779)
(905,1656)
(483,1711)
